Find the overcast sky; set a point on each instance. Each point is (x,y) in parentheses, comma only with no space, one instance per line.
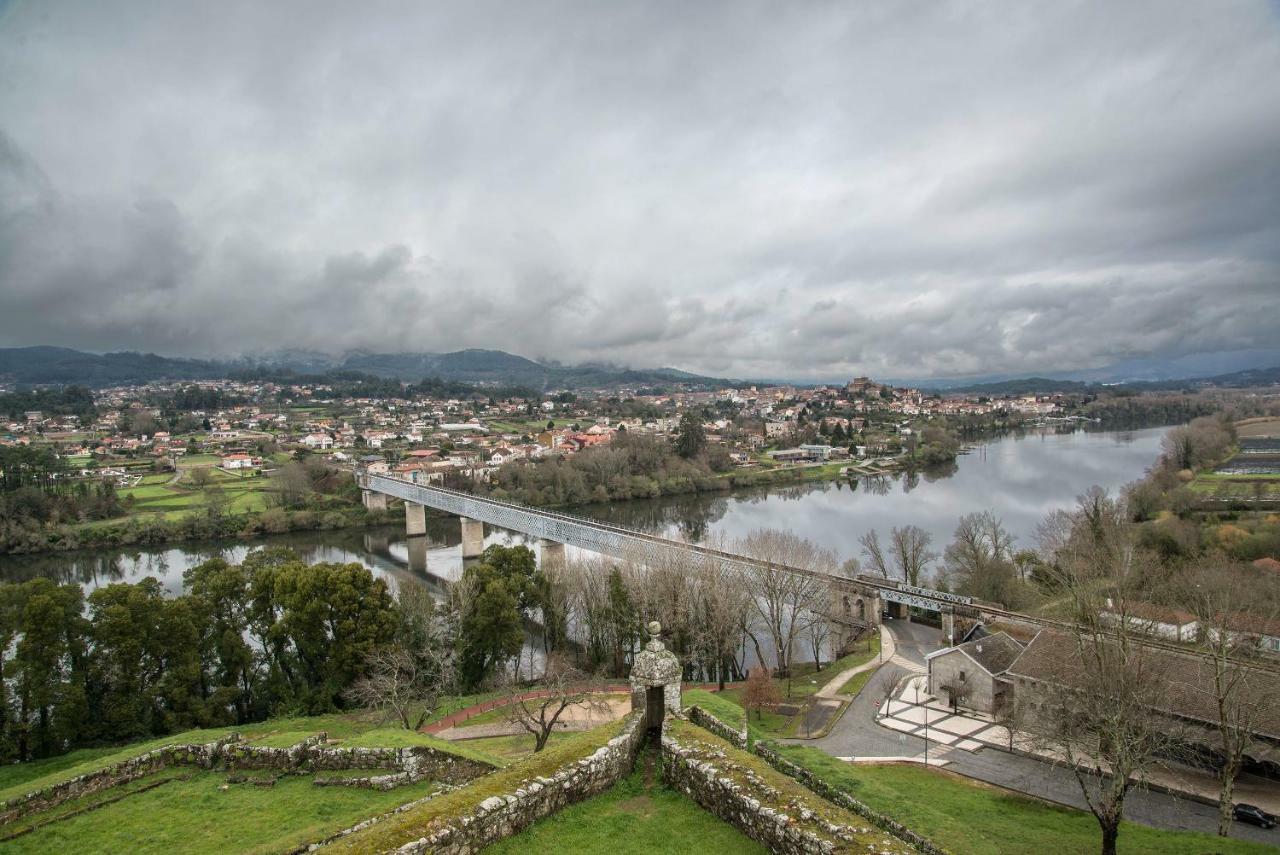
(745,189)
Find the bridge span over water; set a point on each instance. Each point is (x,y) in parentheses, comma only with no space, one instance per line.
(857,602)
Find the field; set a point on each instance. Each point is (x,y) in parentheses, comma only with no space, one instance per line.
(173,494)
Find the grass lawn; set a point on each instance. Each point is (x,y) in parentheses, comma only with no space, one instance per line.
(639,815)
(855,683)
(359,729)
(505,750)
(966,816)
(196,816)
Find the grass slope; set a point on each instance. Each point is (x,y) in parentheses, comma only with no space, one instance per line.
(966,816)
(636,817)
(196,816)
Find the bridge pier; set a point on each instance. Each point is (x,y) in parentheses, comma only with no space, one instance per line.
(949,626)
(417,554)
(415,519)
(373,500)
(472,537)
(550,553)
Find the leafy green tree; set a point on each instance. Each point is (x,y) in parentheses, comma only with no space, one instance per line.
(221,591)
(691,438)
(491,628)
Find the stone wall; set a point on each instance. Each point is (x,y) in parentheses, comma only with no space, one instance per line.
(737,795)
(844,800)
(205,756)
(416,763)
(504,815)
(706,720)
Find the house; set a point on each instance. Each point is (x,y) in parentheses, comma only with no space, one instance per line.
(317,440)
(1052,662)
(970,675)
(240,460)
(1152,619)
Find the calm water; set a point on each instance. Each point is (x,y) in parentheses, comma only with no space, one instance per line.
(1021,479)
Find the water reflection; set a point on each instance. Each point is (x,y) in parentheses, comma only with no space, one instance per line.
(1020,478)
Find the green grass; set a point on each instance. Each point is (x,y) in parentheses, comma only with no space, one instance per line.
(855,683)
(361,729)
(505,750)
(966,816)
(717,704)
(196,816)
(635,816)
(396,831)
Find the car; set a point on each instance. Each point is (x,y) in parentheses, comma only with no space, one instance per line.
(1253,815)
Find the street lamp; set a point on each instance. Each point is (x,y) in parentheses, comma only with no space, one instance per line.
(926,722)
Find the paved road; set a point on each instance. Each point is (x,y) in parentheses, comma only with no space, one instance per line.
(857,735)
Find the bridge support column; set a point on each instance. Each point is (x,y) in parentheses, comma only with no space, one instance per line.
(374,500)
(417,554)
(949,626)
(551,553)
(472,537)
(415,519)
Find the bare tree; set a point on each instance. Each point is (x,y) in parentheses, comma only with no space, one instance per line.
(1228,600)
(562,686)
(760,692)
(1099,706)
(980,558)
(909,546)
(721,607)
(399,685)
(785,602)
(874,553)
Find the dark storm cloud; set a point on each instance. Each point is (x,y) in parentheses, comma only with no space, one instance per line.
(752,189)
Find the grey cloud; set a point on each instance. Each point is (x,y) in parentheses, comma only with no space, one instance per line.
(739,188)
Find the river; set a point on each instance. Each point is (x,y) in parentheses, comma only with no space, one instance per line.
(1020,478)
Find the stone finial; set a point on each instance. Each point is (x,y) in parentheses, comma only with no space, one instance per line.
(655,629)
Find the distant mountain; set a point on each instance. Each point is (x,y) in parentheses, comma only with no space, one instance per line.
(60,365)
(37,365)
(1047,386)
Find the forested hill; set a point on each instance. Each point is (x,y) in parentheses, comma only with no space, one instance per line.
(1046,386)
(60,365)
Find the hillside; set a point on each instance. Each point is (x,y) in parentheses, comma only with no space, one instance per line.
(59,365)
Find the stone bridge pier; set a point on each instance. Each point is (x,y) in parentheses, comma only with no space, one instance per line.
(415,519)
(373,500)
(550,554)
(472,537)
(851,610)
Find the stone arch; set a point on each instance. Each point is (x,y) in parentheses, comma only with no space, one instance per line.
(861,610)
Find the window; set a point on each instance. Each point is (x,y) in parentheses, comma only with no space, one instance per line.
(961,676)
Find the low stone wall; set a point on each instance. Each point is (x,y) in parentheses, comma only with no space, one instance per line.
(504,815)
(408,765)
(706,720)
(703,780)
(205,756)
(844,800)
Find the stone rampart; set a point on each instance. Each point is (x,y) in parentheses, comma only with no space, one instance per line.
(844,800)
(407,765)
(706,720)
(504,815)
(205,756)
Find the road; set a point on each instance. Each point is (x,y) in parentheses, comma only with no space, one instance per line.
(857,735)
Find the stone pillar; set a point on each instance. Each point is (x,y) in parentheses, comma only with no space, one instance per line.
(415,519)
(656,674)
(949,626)
(472,537)
(417,554)
(374,500)
(551,554)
